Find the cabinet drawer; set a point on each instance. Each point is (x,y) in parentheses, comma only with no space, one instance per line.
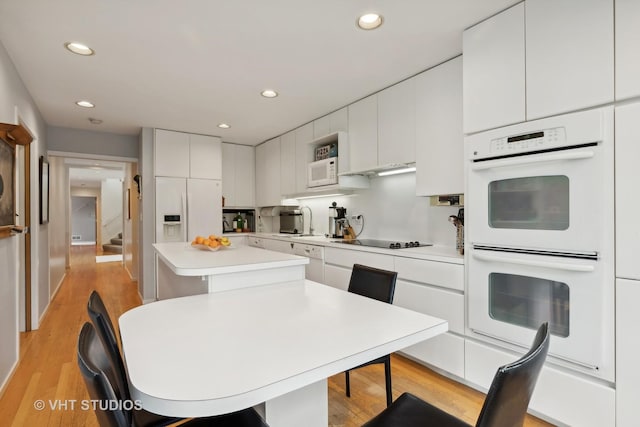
(588,404)
(445,351)
(255,242)
(431,272)
(434,302)
(347,258)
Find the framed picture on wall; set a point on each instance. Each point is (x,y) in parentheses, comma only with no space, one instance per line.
(7,185)
(44,191)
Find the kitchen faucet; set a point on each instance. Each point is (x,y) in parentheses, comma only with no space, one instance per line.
(225,225)
(310,219)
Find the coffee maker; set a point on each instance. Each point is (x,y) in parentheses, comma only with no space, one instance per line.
(337,220)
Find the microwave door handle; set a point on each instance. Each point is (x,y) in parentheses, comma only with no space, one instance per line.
(532,263)
(524,160)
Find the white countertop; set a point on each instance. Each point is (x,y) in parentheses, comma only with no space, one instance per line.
(216,353)
(185,260)
(438,253)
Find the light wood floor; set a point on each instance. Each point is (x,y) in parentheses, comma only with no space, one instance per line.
(48,370)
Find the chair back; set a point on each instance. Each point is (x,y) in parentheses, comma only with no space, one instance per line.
(373,282)
(513,384)
(104,328)
(98,377)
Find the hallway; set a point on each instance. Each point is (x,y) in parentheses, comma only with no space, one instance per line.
(48,369)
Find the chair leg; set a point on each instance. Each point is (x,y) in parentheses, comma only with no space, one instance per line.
(347,384)
(387,379)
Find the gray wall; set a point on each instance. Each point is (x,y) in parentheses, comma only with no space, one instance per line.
(90,142)
(16,105)
(83,218)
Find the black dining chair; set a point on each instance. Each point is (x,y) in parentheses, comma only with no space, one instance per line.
(505,405)
(377,284)
(98,376)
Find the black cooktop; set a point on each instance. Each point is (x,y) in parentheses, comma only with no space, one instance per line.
(388,244)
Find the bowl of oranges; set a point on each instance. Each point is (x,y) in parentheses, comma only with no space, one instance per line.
(211,243)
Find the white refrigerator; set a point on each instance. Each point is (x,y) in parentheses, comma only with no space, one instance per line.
(186,208)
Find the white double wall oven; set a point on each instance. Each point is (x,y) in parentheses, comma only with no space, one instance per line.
(540,239)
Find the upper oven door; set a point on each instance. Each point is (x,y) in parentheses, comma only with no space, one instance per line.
(511,294)
(552,199)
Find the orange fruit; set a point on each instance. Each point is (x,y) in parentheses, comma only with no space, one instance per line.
(206,242)
(213,237)
(199,240)
(214,243)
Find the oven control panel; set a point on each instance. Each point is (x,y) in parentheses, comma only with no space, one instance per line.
(532,141)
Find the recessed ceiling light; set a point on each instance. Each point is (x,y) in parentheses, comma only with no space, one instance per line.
(268,93)
(85,104)
(79,48)
(224,126)
(369,21)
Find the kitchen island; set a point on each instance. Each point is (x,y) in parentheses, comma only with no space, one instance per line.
(183,270)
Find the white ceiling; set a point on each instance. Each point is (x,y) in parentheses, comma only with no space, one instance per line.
(91,173)
(189,65)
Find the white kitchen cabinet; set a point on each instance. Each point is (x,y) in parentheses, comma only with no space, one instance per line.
(439,135)
(338,121)
(569,55)
(397,124)
(185,155)
(256,242)
(288,163)
(494,71)
(338,264)
(205,157)
(363,133)
(238,175)
(627,350)
(278,245)
(436,289)
(627,36)
(564,48)
(570,399)
(268,173)
(627,177)
(171,153)
(304,135)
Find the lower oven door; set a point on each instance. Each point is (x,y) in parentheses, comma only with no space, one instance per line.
(511,294)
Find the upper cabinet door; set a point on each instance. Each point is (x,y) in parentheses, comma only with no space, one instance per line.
(331,123)
(569,48)
(229,174)
(304,155)
(288,163)
(268,173)
(494,71)
(205,157)
(439,138)
(171,153)
(627,45)
(363,133)
(397,124)
(245,166)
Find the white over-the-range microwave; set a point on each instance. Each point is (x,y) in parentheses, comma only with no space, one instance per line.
(322,172)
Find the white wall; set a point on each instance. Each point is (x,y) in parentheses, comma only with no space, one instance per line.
(111,203)
(391,212)
(59,207)
(91,143)
(83,219)
(16,105)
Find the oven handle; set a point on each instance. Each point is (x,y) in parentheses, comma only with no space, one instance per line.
(524,160)
(531,263)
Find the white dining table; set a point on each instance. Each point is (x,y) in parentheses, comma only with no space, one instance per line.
(270,347)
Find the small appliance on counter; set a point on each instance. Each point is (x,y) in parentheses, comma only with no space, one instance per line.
(458,222)
(337,221)
(238,220)
(291,221)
